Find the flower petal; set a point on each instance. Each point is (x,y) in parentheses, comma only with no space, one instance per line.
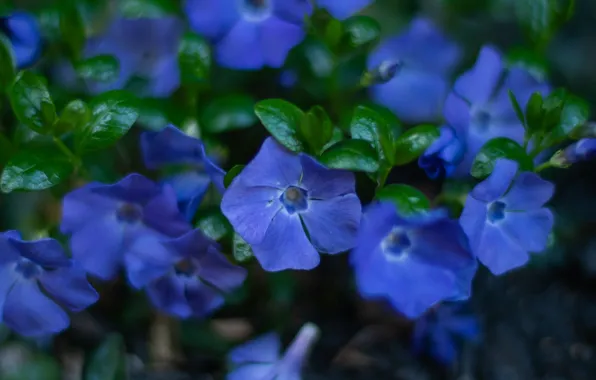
(170,146)
(241,48)
(528,192)
(10,253)
(25,37)
(443,347)
(263,349)
(82,205)
(134,188)
(472,221)
(273,166)
(161,214)
(252,371)
(202,298)
(529,229)
(377,221)
(332,224)
(190,188)
(292,11)
(479,83)
(69,286)
(215,269)
(457,114)
(498,252)
(278,37)
(45,252)
(285,246)
(345,8)
(8,277)
(322,182)
(168,294)
(211,19)
(497,183)
(30,313)
(147,259)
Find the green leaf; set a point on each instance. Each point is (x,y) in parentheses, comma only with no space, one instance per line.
(336,136)
(574,114)
(214,224)
(229,112)
(535,114)
(112,114)
(353,154)
(282,119)
(194,59)
(370,126)
(108,360)
(7,63)
(232,173)
(31,102)
(36,168)
(529,60)
(41,367)
(75,115)
(361,32)
(6,150)
(500,147)
(242,250)
(542,18)
(316,129)
(72,29)
(101,68)
(407,199)
(146,8)
(414,143)
(517,108)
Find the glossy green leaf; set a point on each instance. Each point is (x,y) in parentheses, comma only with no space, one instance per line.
(574,114)
(369,125)
(542,18)
(414,142)
(282,119)
(535,113)
(108,362)
(316,129)
(518,110)
(500,147)
(112,114)
(6,150)
(194,59)
(214,224)
(232,173)
(101,68)
(230,112)
(75,115)
(242,250)
(72,30)
(146,8)
(31,102)
(361,32)
(336,136)
(407,199)
(35,168)
(356,155)
(7,64)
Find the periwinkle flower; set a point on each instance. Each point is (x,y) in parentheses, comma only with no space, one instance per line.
(441,331)
(427,58)
(105,220)
(414,262)
(343,9)
(184,276)
(172,146)
(260,358)
(37,282)
(581,150)
(249,34)
(504,217)
(442,157)
(23,32)
(479,107)
(276,193)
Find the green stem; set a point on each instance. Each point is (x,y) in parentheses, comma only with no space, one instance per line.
(543,166)
(71,156)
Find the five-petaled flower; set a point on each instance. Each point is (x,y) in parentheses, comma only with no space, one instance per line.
(276,193)
(172,146)
(37,281)
(443,155)
(426,60)
(504,217)
(22,31)
(184,276)
(260,358)
(105,220)
(479,107)
(415,261)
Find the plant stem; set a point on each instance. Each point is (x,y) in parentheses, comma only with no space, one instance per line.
(71,156)
(543,166)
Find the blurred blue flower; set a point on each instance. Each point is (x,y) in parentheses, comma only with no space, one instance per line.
(260,358)
(105,220)
(22,30)
(581,150)
(441,330)
(479,108)
(414,262)
(24,267)
(343,9)
(443,155)
(172,146)
(278,191)
(504,217)
(249,34)
(184,276)
(417,93)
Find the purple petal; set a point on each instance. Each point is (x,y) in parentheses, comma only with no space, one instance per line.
(293,11)
(498,252)
(528,192)
(147,259)
(215,269)
(463,326)
(241,48)
(273,166)
(278,37)
(250,210)
(345,8)
(24,36)
(134,188)
(324,183)
(10,253)
(168,294)
(472,220)
(263,349)
(45,252)
(164,78)
(285,246)
(479,83)
(253,371)
(162,214)
(211,19)
(523,84)
(497,183)
(332,224)
(377,221)
(69,286)
(190,188)
(170,146)
(443,347)
(202,298)
(457,114)
(529,229)
(82,205)
(30,313)
(8,277)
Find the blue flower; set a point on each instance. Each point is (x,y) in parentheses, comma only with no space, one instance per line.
(277,192)
(443,155)
(172,146)
(504,217)
(22,30)
(479,108)
(260,358)
(24,267)
(184,276)
(441,330)
(414,262)
(581,150)
(417,93)
(343,9)
(249,34)
(105,220)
